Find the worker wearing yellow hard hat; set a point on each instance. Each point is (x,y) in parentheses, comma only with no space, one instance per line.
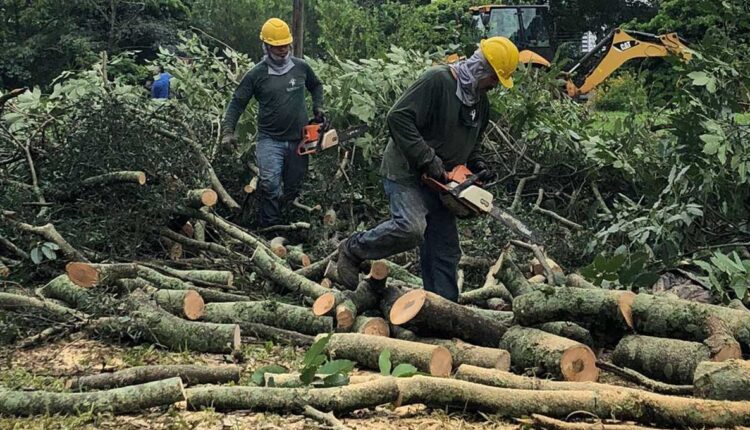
(278,83)
(435,126)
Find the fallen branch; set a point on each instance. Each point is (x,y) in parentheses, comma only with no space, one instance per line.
(49,233)
(267,267)
(11,95)
(537,208)
(297,204)
(264,333)
(291,227)
(326,418)
(644,381)
(541,421)
(728,380)
(15,302)
(10,246)
(269,313)
(539,254)
(190,375)
(521,185)
(199,198)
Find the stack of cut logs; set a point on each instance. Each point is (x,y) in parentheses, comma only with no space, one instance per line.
(686,356)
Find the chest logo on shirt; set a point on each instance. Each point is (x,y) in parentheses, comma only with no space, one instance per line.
(292,85)
(473,114)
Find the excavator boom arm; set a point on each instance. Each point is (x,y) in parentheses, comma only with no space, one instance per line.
(625,46)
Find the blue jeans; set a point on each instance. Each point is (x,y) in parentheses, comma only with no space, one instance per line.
(281,175)
(418,218)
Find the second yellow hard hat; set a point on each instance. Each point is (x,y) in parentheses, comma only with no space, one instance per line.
(502,54)
(275,32)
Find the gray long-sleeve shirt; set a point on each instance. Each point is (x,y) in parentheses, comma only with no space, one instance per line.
(281,100)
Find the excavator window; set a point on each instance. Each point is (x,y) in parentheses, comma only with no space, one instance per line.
(505,22)
(535,30)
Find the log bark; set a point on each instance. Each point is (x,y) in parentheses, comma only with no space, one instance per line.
(400,273)
(132,399)
(346,314)
(374,326)
(512,277)
(169,283)
(644,381)
(728,380)
(223,278)
(297,258)
(642,406)
(186,304)
(293,400)
(316,270)
(570,330)
(291,281)
(737,305)
(189,374)
(63,289)
(197,199)
(605,312)
(545,353)
(264,333)
(88,275)
(465,353)
(682,319)
(16,303)
(498,304)
(366,349)
(432,315)
(135,177)
(668,360)
(268,312)
(577,281)
(480,296)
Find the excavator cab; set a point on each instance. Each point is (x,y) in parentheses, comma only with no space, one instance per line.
(526,26)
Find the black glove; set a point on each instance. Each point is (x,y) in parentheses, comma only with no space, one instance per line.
(435,169)
(479,166)
(229,139)
(320,115)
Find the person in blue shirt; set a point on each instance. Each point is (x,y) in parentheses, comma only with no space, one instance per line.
(160,87)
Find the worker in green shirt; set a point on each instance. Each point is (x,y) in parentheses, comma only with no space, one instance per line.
(278,82)
(436,125)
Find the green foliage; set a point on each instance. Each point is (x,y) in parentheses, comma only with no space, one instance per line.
(621,270)
(624,92)
(44,250)
(728,275)
(403,370)
(259,376)
(319,371)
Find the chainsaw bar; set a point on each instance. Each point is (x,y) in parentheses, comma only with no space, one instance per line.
(513,224)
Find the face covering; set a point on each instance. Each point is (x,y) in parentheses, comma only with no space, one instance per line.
(468,74)
(277,65)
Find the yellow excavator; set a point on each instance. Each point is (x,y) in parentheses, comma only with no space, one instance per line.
(528,27)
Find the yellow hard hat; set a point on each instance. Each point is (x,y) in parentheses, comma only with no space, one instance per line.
(502,55)
(275,32)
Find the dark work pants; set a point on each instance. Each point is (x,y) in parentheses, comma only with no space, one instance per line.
(418,218)
(281,175)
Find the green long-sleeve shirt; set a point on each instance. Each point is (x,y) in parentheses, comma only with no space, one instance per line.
(430,119)
(281,100)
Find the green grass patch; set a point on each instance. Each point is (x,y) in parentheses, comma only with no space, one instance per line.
(18,378)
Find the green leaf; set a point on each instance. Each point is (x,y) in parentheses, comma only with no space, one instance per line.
(258,376)
(308,375)
(335,380)
(50,254)
(316,349)
(384,362)
(712,143)
(337,366)
(645,280)
(740,289)
(52,245)
(36,255)
(699,78)
(404,370)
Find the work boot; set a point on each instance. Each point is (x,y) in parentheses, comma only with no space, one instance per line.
(347,266)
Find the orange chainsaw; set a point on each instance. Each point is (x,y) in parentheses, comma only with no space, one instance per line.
(462,194)
(320,136)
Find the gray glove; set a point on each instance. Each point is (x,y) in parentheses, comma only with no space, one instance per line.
(435,169)
(229,139)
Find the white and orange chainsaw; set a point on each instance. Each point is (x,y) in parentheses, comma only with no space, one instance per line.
(318,137)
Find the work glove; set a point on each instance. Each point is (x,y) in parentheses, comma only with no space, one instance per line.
(229,139)
(479,166)
(320,115)
(435,169)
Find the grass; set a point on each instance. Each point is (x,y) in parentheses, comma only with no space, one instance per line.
(18,378)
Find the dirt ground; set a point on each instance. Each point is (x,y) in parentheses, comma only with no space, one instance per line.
(49,367)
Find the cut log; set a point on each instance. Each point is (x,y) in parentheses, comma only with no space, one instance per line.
(89,275)
(431,315)
(329,218)
(722,345)
(183,303)
(135,177)
(173,249)
(278,247)
(169,283)
(545,353)
(297,257)
(16,303)
(512,277)
(326,283)
(644,381)
(668,360)
(366,349)
(480,295)
(504,379)
(577,281)
(265,333)
(400,273)
(293,400)
(199,198)
(365,297)
(537,268)
(498,304)
(465,353)
(380,270)
(251,186)
(224,278)
(671,317)
(737,305)
(189,373)
(570,330)
(346,314)
(728,380)
(537,279)
(63,289)
(316,270)
(375,326)
(270,313)
(605,312)
(641,406)
(125,400)
(4,270)
(268,268)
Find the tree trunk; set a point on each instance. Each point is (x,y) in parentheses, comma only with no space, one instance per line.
(570,330)
(374,326)
(668,360)
(271,313)
(184,303)
(728,380)
(432,315)
(682,319)
(365,350)
(189,373)
(545,353)
(607,312)
(132,399)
